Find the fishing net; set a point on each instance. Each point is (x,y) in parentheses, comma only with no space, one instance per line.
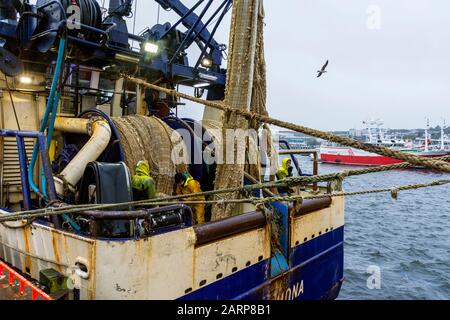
(259,94)
(245,89)
(149,138)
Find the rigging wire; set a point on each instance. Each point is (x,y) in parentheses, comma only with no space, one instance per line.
(158,14)
(12,103)
(227,9)
(134,21)
(104,10)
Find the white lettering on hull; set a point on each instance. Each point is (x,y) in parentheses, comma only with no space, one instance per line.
(291,293)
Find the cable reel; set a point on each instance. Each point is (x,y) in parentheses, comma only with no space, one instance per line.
(41,24)
(9,63)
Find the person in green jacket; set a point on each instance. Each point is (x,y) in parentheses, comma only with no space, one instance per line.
(285,171)
(144,187)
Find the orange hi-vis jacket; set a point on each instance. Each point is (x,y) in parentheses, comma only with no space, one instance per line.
(189,187)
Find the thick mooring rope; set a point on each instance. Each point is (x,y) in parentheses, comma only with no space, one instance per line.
(438,164)
(393,190)
(288,182)
(412,159)
(257,201)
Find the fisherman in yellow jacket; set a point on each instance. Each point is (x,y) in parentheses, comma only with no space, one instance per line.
(188,185)
(285,171)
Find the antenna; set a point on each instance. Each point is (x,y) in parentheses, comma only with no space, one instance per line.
(426,135)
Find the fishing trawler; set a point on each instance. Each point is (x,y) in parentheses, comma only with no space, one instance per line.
(73,128)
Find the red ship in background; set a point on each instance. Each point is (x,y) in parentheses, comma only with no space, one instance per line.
(426,147)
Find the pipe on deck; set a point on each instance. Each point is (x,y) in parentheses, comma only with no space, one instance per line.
(100,133)
(216,230)
(312,205)
(213,231)
(72,125)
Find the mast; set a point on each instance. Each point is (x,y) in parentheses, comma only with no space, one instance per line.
(443,136)
(426,135)
(380,129)
(369,131)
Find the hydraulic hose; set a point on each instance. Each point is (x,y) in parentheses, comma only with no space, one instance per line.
(52,104)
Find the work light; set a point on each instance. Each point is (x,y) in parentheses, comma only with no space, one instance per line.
(151,47)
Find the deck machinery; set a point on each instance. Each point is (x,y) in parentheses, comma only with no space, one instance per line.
(72,131)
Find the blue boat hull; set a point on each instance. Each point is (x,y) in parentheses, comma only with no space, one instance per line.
(315,272)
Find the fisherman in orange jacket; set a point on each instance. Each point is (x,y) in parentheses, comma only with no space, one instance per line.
(185,184)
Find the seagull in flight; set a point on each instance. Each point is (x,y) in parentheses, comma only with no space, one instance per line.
(321,72)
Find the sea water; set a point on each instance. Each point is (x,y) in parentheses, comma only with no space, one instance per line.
(395,249)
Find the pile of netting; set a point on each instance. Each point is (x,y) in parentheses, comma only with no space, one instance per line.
(149,138)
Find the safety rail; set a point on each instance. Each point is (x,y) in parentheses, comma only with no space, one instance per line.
(14,276)
(160,220)
(216,230)
(291,152)
(23,161)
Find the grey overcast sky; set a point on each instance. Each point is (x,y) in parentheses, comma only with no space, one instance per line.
(388,59)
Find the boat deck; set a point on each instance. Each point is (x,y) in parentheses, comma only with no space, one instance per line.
(12,292)
(14,286)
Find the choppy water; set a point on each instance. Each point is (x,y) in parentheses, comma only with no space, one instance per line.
(407,239)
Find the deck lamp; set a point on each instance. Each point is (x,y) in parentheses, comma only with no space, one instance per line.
(201,85)
(25,79)
(207,62)
(151,47)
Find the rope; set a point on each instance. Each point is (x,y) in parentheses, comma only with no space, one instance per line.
(393,190)
(22,226)
(438,165)
(256,201)
(288,182)
(403,165)
(62,264)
